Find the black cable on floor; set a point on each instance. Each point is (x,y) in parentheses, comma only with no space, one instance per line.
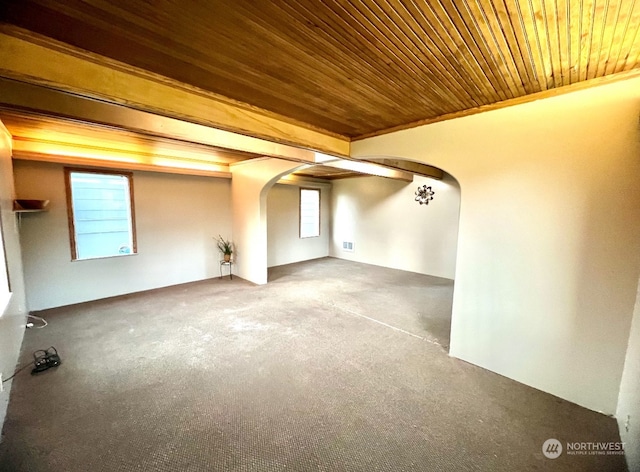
(18,371)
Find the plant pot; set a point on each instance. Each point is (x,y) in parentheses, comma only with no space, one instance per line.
(227,257)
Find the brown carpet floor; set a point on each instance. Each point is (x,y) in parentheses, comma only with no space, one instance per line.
(331,366)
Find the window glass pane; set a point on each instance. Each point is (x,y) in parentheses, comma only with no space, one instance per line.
(101,214)
(5,286)
(309,213)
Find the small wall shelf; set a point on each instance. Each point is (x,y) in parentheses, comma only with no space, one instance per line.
(29,206)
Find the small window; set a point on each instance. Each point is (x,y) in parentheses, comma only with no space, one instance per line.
(5,284)
(101,216)
(309,213)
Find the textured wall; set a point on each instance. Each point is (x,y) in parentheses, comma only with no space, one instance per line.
(284,245)
(177,217)
(250,186)
(12,317)
(390,229)
(628,412)
(548,256)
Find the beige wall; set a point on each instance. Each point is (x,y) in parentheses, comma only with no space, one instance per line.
(12,316)
(548,254)
(250,186)
(628,411)
(389,228)
(177,217)
(284,245)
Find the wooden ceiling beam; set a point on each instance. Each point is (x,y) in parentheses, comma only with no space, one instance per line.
(46,129)
(173,167)
(73,143)
(409,166)
(371,169)
(41,100)
(36,60)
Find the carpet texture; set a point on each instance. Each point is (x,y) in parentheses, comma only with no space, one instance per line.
(331,366)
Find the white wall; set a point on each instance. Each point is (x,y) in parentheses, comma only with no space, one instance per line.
(548,254)
(284,245)
(12,317)
(389,228)
(252,180)
(628,412)
(177,217)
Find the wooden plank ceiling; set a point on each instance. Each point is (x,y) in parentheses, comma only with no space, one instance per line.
(353,67)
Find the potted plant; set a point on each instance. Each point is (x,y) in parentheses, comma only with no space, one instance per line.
(226,248)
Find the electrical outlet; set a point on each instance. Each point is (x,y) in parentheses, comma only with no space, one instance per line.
(627,423)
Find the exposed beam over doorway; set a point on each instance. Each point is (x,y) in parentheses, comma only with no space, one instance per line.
(33,59)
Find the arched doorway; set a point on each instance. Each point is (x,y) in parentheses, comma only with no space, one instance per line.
(376,222)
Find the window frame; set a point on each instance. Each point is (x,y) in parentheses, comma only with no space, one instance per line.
(5,289)
(319,191)
(70,215)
